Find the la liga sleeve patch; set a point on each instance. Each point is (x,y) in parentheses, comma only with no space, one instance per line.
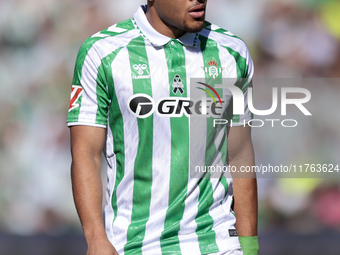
(76,92)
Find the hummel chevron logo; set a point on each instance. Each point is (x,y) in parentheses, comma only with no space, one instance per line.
(140,68)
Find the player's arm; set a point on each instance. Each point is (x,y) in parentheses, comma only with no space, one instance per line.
(86,146)
(241,154)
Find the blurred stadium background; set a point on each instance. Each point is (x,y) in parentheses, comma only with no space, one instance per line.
(39,41)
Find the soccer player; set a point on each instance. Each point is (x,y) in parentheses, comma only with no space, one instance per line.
(130,96)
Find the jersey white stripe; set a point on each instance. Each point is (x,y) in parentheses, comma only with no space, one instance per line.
(232,42)
(123,86)
(99,35)
(88,106)
(187,235)
(229,63)
(111,177)
(70,124)
(224,242)
(161,154)
(218,215)
(99,50)
(116,29)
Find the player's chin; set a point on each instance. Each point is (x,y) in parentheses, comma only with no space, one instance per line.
(194,26)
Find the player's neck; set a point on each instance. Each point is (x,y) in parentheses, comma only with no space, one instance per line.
(160,26)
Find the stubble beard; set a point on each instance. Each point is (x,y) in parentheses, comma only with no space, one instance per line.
(191,29)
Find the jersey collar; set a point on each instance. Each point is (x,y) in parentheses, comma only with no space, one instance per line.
(155,38)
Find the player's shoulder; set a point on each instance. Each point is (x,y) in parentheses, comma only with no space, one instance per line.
(116,32)
(222,36)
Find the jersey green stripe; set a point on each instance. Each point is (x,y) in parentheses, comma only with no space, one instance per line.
(175,57)
(225,185)
(126,24)
(206,236)
(102,95)
(143,161)
(242,72)
(220,30)
(103,99)
(223,147)
(84,49)
(210,52)
(116,125)
(241,63)
(82,53)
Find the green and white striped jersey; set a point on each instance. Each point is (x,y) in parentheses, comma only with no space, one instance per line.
(153,204)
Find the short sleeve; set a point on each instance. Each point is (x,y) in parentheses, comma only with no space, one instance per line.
(245,80)
(89,100)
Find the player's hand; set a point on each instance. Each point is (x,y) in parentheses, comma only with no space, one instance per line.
(101,247)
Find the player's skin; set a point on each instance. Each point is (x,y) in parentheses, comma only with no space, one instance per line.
(176,17)
(241,153)
(173,19)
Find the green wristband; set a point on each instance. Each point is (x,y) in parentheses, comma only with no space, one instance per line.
(249,245)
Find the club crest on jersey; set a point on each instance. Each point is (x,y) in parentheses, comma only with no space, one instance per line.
(212,70)
(177,85)
(76,92)
(140,68)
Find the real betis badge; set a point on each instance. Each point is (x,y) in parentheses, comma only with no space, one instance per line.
(213,71)
(177,85)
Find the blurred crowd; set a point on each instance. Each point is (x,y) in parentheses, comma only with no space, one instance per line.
(39,41)
(299,41)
